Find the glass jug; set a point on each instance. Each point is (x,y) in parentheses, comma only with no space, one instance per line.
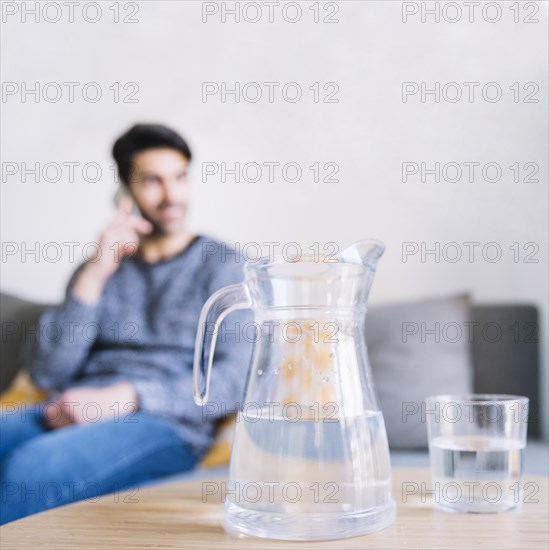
(310,459)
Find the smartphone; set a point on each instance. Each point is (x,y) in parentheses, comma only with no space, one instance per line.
(122,191)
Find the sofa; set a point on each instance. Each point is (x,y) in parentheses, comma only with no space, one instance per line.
(416,348)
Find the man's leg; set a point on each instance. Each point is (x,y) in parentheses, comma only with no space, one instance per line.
(82,461)
(19,422)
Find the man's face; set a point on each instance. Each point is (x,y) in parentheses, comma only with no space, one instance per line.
(159,185)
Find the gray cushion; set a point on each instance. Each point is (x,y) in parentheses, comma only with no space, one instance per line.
(409,364)
(506,354)
(18,319)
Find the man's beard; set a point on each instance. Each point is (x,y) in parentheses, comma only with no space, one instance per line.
(164,228)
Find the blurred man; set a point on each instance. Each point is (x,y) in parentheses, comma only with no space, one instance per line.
(120,410)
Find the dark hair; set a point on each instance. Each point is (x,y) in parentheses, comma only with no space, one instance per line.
(142,137)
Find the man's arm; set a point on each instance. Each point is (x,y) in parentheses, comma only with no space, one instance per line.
(58,358)
(55,360)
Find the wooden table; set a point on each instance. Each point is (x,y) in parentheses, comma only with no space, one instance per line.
(174,516)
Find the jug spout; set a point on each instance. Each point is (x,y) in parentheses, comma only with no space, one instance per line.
(365,251)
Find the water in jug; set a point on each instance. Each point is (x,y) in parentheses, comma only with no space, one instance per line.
(310,459)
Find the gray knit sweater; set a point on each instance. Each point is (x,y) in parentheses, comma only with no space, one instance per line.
(143,331)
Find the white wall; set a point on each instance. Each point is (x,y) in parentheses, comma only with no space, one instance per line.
(170,52)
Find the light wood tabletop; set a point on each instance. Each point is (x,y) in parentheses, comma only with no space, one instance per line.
(174,515)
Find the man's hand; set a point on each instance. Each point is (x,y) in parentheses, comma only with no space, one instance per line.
(91,405)
(120,239)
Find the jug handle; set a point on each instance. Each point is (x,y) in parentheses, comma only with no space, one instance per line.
(216,308)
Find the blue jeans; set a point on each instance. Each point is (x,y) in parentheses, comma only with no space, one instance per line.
(41,468)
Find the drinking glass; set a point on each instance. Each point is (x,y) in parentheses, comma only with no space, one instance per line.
(476,448)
